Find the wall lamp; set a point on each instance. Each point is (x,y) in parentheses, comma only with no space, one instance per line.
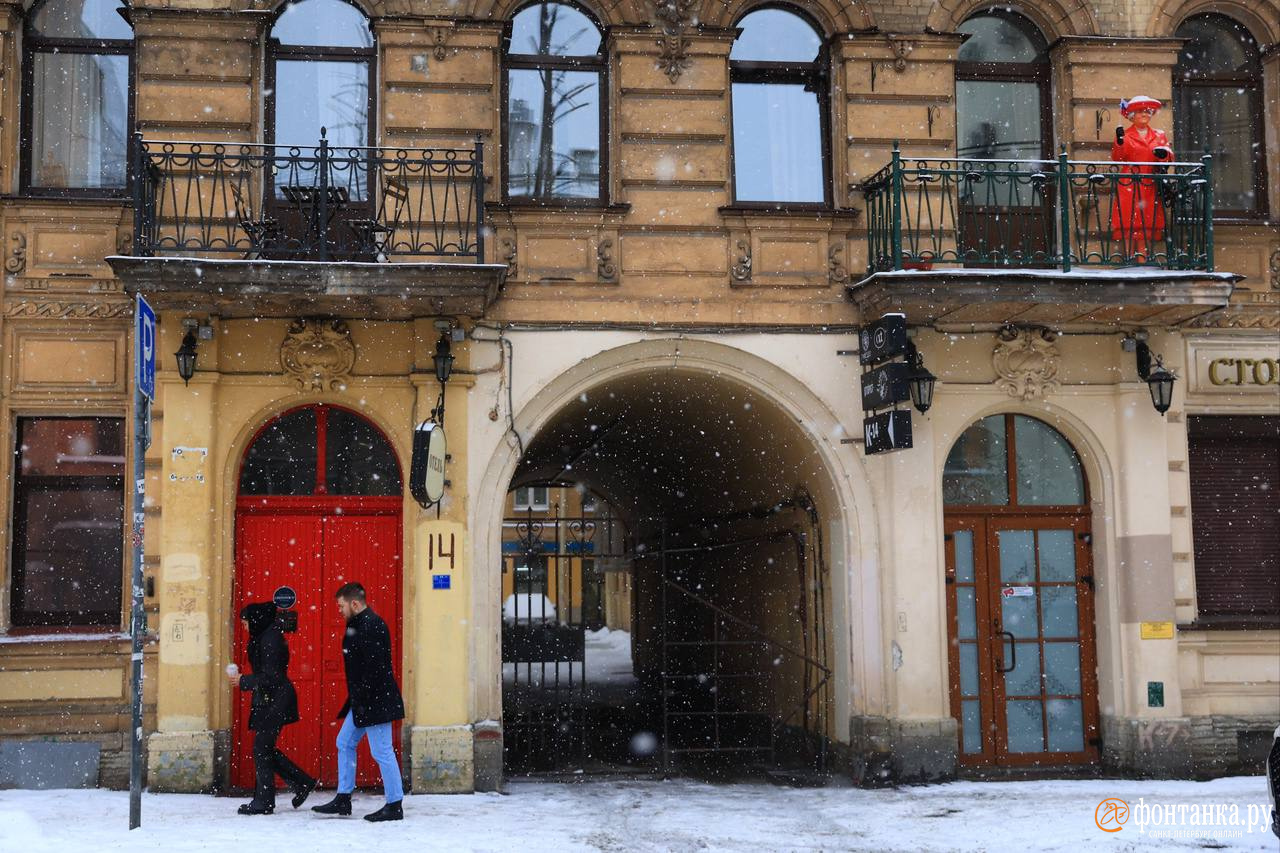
(443,360)
(1159,380)
(919,380)
(186,354)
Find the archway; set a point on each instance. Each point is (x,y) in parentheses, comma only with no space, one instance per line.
(1020,596)
(319,503)
(722,504)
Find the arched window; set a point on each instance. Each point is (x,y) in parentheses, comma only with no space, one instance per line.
(1218,109)
(320,75)
(77,109)
(1002,89)
(320,450)
(555,105)
(778,70)
(1013,460)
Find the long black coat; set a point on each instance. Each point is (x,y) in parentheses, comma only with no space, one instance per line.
(275,702)
(372,692)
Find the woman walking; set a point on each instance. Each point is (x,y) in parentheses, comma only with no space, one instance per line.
(274,706)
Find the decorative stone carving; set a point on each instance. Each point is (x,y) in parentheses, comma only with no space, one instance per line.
(605,267)
(1026,362)
(509,256)
(1275,270)
(440,42)
(901,48)
(741,271)
(17,260)
(69,310)
(672,17)
(836,271)
(318,354)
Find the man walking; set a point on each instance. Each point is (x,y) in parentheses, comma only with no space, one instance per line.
(373,704)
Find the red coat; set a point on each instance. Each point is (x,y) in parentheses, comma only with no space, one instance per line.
(1136,214)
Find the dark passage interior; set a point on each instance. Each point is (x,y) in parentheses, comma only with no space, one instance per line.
(666,593)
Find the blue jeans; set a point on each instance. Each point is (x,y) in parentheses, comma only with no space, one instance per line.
(380,746)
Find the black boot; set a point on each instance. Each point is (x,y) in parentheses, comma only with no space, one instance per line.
(340,804)
(391,811)
(256,807)
(301,792)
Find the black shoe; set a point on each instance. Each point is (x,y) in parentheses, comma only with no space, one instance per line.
(340,804)
(255,807)
(391,811)
(303,791)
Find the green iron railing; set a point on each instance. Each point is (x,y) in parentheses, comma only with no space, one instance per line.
(1038,214)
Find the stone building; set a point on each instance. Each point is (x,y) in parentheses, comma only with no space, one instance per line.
(649,235)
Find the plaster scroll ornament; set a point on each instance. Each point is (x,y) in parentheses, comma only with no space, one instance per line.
(318,354)
(672,17)
(1026,362)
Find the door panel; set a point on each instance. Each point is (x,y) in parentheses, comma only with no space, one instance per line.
(314,553)
(364,549)
(1021,612)
(274,551)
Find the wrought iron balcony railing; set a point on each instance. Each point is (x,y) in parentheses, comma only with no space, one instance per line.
(1038,213)
(274,202)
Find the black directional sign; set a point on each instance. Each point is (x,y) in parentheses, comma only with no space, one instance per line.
(885,385)
(883,339)
(887,431)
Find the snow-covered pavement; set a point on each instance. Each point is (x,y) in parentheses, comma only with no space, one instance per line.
(656,816)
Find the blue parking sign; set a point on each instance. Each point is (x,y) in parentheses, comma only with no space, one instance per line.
(145,348)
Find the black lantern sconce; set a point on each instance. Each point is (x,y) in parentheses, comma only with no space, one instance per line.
(919,380)
(443,361)
(186,354)
(1159,380)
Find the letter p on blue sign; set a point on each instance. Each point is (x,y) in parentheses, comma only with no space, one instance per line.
(145,349)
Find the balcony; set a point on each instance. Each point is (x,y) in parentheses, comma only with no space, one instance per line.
(264,230)
(992,242)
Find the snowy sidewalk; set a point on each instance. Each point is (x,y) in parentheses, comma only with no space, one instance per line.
(647,816)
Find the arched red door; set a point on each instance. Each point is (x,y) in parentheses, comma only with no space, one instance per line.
(319,504)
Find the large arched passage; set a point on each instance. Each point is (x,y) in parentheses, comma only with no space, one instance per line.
(319,502)
(724,511)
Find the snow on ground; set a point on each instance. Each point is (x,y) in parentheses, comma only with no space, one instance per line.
(646,816)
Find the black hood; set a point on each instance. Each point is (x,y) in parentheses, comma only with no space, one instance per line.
(259,615)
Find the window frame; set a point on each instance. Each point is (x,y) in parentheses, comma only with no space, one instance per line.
(316,53)
(599,64)
(532,503)
(1252,85)
(24,620)
(1013,507)
(815,74)
(1040,73)
(34,43)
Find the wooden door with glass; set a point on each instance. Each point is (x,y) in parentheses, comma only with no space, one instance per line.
(1020,609)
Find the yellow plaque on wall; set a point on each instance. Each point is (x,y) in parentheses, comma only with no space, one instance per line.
(1157,630)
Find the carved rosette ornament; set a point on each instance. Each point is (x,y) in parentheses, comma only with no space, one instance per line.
(1026,362)
(672,17)
(318,354)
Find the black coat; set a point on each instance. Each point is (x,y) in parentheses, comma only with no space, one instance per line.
(275,702)
(372,693)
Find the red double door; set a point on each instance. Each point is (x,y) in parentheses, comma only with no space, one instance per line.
(312,546)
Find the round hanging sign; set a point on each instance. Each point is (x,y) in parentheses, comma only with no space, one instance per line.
(284,597)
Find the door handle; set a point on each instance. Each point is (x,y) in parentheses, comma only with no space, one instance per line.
(1013,651)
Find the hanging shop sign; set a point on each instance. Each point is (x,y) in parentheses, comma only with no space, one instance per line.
(426,469)
(885,385)
(887,431)
(882,340)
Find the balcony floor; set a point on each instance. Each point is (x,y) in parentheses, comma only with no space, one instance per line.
(1085,298)
(273,288)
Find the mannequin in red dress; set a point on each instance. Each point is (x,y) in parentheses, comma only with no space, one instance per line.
(1137,216)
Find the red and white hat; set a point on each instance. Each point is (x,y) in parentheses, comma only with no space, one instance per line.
(1139,102)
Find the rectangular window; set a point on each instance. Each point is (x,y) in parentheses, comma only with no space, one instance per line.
(1235,518)
(553,134)
(80,109)
(1221,120)
(777,144)
(68,522)
(532,497)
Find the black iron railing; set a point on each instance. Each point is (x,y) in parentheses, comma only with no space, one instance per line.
(319,203)
(1038,213)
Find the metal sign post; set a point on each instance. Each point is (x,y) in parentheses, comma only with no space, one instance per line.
(144,391)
